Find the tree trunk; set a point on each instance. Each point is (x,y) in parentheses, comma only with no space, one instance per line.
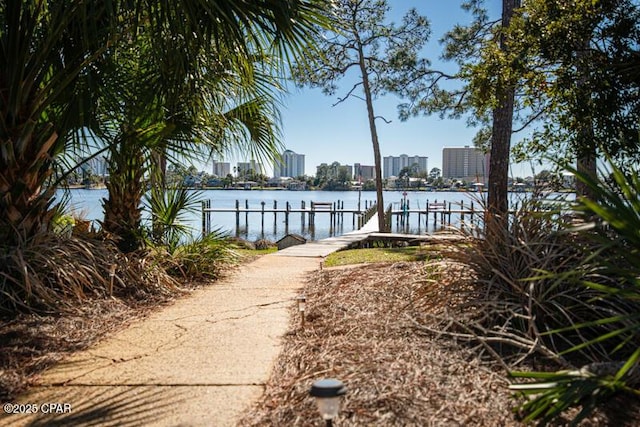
(497,215)
(382,227)
(122,212)
(25,168)
(586,151)
(586,165)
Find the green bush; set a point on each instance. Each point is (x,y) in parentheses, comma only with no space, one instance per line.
(510,299)
(205,257)
(610,328)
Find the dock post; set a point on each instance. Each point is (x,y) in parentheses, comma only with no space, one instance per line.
(237,217)
(333,214)
(332,224)
(353,217)
(435,217)
(204,225)
(472,213)
(302,210)
(332,217)
(426,217)
(262,218)
(286,218)
(275,217)
(462,214)
(203,221)
(275,212)
(246,213)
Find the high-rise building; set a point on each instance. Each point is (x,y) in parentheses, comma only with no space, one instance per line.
(221,169)
(363,172)
(248,168)
(391,166)
(291,165)
(465,163)
(96,166)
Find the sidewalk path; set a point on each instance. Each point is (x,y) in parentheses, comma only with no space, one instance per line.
(199,362)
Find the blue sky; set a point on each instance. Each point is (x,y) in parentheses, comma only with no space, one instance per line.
(326,133)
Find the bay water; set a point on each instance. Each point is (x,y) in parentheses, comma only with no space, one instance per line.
(87,204)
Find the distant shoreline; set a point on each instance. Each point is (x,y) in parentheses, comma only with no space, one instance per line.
(430,190)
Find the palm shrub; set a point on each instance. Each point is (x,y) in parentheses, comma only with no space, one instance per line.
(510,305)
(611,273)
(170,238)
(53,273)
(204,257)
(50,273)
(169,209)
(52,57)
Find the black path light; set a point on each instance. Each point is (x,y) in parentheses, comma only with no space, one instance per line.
(328,393)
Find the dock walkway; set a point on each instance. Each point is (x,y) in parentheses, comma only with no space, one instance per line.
(324,247)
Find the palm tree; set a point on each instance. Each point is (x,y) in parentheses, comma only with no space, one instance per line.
(44,83)
(50,57)
(223,103)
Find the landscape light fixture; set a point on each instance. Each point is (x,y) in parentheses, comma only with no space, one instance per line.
(328,393)
(302,306)
(112,276)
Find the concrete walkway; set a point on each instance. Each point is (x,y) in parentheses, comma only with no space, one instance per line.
(199,362)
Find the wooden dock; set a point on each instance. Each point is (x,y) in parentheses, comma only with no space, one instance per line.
(438,214)
(307,212)
(324,247)
(367,235)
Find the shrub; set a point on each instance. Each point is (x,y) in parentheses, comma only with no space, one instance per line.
(610,272)
(201,258)
(262,244)
(510,303)
(53,273)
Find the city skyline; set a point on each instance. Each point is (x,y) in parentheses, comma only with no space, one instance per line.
(325,133)
(457,162)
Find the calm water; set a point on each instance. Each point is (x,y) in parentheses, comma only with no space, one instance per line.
(87,204)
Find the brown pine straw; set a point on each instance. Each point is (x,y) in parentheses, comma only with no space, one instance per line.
(360,328)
